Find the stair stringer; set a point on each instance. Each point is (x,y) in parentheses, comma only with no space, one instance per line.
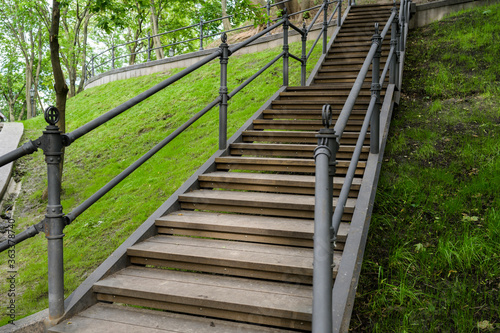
(84,297)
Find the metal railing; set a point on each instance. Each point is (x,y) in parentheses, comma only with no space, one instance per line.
(326,219)
(98,65)
(52,142)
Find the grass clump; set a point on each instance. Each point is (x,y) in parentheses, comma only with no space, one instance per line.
(434,243)
(96,158)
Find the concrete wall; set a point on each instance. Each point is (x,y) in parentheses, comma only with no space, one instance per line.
(185,60)
(435,11)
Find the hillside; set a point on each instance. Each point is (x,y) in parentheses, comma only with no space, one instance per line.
(432,263)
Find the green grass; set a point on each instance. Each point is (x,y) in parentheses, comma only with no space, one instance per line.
(96,158)
(433,263)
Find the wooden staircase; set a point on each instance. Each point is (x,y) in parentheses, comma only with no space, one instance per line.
(237,256)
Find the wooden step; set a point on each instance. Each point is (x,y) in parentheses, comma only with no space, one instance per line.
(246,228)
(245,259)
(249,300)
(294,165)
(112,318)
(314,104)
(265,182)
(348,138)
(272,204)
(308,114)
(289,150)
(299,125)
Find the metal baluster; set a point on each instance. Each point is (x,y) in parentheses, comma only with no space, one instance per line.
(268,7)
(375,89)
(304,56)
(113,56)
(201,33)
(149,47)
(52,145)
(339,14)
(325,25)
(285,48)
(324,155)
(394,75)
(223,92)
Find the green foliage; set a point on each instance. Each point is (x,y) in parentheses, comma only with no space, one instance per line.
(434,245)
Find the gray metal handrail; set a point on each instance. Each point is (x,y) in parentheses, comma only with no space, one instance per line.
(52,142)
(327,223)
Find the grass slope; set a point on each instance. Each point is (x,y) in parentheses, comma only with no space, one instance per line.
(434,242)
(95,159)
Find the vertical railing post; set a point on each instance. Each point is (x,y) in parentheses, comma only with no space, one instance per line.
(224,58)
(149,47)
(325,25)
(394,69)
(324,154)
(113,56)
(54,222)
(93,69)
(375,89)
(303,58)
(339,14)
(201,33)
(285,48)
(268,8)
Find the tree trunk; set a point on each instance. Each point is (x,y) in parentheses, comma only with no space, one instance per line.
(225,22)
(60,86)
(84,55)
(154,27)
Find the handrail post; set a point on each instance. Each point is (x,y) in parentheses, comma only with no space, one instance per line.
(325,25)
(375,89)
(52,144)
(113,56)
(149,47)
(285,48)
(93,69)
(201,33)
(268,8)
(304,56)
(224,58)
(324,154)
(339,14)
(394,72)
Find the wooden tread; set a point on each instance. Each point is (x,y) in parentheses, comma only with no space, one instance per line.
(247,228)
(266,182)
(111,318)
(272,204)
(252,260)
(250,300)
(279,164)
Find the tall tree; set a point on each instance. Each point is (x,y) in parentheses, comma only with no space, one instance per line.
(19,20)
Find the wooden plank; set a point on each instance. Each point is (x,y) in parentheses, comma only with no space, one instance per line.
(209,291)
(271,179)
(259,257)
(243,224)
(111,318)
(208,312)
(258,200)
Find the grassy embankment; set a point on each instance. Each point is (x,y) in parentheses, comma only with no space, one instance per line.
(95,159)
(433,263)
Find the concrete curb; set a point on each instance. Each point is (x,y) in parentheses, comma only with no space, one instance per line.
(10,135)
